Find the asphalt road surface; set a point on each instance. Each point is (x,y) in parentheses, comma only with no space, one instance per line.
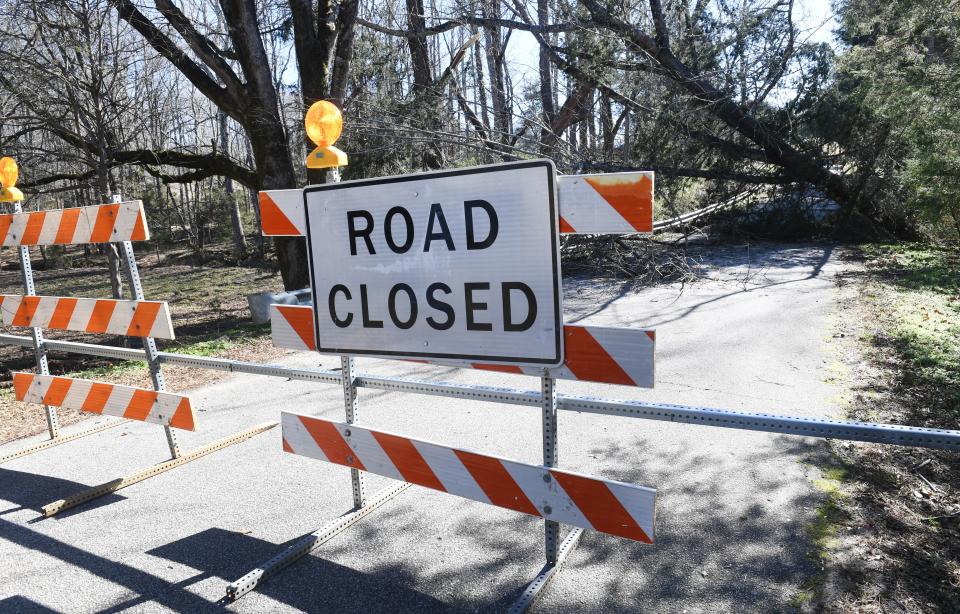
(732,505)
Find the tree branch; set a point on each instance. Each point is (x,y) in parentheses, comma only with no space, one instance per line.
(218,94)
(205,49)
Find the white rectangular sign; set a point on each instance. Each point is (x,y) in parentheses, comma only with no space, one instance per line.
(457,264)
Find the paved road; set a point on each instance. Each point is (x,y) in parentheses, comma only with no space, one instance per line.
(731,510)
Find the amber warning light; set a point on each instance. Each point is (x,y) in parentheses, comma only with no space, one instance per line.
(8,181)
(324,124)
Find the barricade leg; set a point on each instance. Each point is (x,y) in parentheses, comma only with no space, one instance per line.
(361,506)
(310,542)
(149,345)
(555,551)
(43,368)
(152,357)
(114,485)
(350,403)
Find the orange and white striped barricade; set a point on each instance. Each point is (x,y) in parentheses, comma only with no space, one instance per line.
(168,409)
(607,203)
(587,204)
(122,223)
(88,315)
(607,506)
(606,355)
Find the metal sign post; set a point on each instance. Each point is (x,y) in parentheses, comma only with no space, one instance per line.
(350,401)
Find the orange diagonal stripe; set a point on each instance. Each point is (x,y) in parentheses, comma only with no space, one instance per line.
(57,392)
(5,222)
(499,486)
(62,313)
(600,506)
(31,234)
(631,197)
(408,461)
(587,359)
(139,228)
(21,384)
(500,368)
(272,220)
(565,227)
(301,320)
(332,443)
(100,317)
(103,227)
(143,319)
(97,398)
(26,310)
(140,404)
(184,417)
(68,225)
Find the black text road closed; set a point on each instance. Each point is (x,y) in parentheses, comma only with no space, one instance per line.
(454,264)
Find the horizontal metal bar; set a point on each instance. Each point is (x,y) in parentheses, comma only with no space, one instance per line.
(24,342)
(456,391)
(91,349)
(770,423)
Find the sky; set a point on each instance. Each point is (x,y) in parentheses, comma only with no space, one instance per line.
(814,18)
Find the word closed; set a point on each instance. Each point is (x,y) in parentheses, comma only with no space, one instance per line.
(453,264)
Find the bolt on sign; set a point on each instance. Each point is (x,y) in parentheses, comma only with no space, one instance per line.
(459,264)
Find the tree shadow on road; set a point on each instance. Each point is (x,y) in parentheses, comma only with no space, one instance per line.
(32,491)
(22,605)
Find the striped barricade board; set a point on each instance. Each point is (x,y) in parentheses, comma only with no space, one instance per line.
(607,203)
(607,506)
(164,408)
(88,315)
(96,224)
(593,353)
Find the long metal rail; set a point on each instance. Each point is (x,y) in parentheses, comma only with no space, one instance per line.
(771,423)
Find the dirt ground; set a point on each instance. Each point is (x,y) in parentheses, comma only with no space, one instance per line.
(889,533)
(208,308)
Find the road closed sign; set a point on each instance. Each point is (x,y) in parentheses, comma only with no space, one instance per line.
(460,264)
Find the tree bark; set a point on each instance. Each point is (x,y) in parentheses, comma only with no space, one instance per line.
(239,239)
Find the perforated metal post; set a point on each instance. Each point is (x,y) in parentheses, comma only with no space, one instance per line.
(349,391)
(149,345)
(548,392)
(39,350)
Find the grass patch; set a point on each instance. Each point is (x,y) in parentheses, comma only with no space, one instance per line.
(223,341)
(830,516)
(919,318)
